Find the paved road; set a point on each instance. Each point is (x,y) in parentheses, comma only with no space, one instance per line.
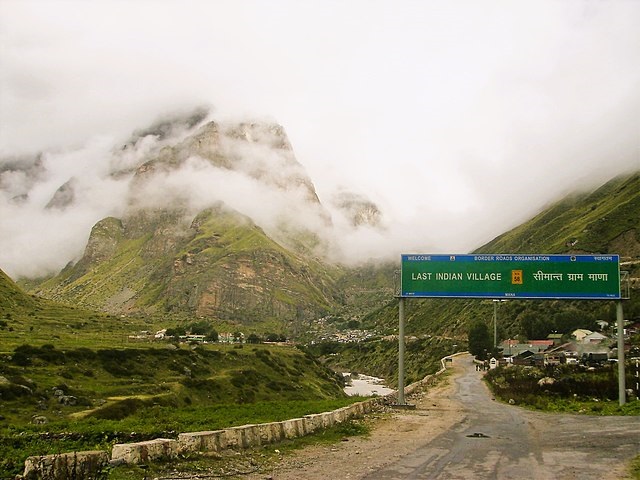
(498,441)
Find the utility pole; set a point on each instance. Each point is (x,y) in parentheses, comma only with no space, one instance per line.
(495,322)
(622,390)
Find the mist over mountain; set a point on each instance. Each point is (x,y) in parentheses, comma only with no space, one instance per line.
(185,163)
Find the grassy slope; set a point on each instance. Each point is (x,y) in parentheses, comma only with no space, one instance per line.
(152,391)
(122,387)
(12,298)
(586,222)
(595,221)
(29,319)
(223,266)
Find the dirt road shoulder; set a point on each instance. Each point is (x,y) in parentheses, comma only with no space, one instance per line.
(393,435)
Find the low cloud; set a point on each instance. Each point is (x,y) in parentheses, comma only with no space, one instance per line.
(459,121)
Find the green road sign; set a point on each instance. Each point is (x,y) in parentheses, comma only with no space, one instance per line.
(595,277)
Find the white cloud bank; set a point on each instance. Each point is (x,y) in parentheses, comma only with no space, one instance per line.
(459,119)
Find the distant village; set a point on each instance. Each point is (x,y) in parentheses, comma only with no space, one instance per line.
(347,336)
(214,337)
(585,347)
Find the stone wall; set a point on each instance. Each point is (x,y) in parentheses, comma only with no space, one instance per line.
(68,466)
(86,465)
(242,437)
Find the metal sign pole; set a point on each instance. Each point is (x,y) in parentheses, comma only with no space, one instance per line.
(622,391)
(495,324)
(401,353)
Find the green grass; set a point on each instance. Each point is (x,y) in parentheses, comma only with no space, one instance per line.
(634,469)
(131,394)
(71,327)
(584,407)
(574,390)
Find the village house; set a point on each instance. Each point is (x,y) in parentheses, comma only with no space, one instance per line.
(556,338)
(594,337)
(228,337)
(580,333)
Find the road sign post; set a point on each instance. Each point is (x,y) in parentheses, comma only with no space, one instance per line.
(622,388)
(401,400)
(593,277)
(511,276)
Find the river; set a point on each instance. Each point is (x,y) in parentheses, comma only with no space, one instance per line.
(366,386)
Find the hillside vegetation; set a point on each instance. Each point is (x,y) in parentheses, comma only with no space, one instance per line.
(606,220)
(72,379)
(29,319)
(12,298)
(57,400)
(218,265)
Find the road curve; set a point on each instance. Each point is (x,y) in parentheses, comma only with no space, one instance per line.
(498,441)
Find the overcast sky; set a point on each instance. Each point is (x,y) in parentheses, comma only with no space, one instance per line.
(460,119)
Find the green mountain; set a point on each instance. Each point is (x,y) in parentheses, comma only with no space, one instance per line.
(12,298)
(180,249)
(219,266)
(606,220)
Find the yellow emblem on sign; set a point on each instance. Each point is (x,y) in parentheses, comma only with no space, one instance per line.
(516,277)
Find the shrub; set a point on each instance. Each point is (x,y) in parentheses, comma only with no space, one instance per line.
(245,377)
(13,391)
(119,410)
(21,358)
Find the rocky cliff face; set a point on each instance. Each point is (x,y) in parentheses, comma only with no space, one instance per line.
(259,151)
(358,209)
(220,266)
(243,160)
(173,253)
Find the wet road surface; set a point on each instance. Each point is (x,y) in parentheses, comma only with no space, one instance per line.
(498,441)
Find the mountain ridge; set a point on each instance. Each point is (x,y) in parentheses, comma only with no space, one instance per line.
(188,242)
(605,220)
(221,266)
(599,221)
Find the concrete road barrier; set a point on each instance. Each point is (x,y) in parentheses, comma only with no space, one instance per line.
(67,465)
(142,452)
(87,465)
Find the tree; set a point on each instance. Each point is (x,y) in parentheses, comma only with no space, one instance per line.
(534,327)
(272,337)
(353,324)
(175,332)
(480,341)
(571,319)
(212,336)
(253,338)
